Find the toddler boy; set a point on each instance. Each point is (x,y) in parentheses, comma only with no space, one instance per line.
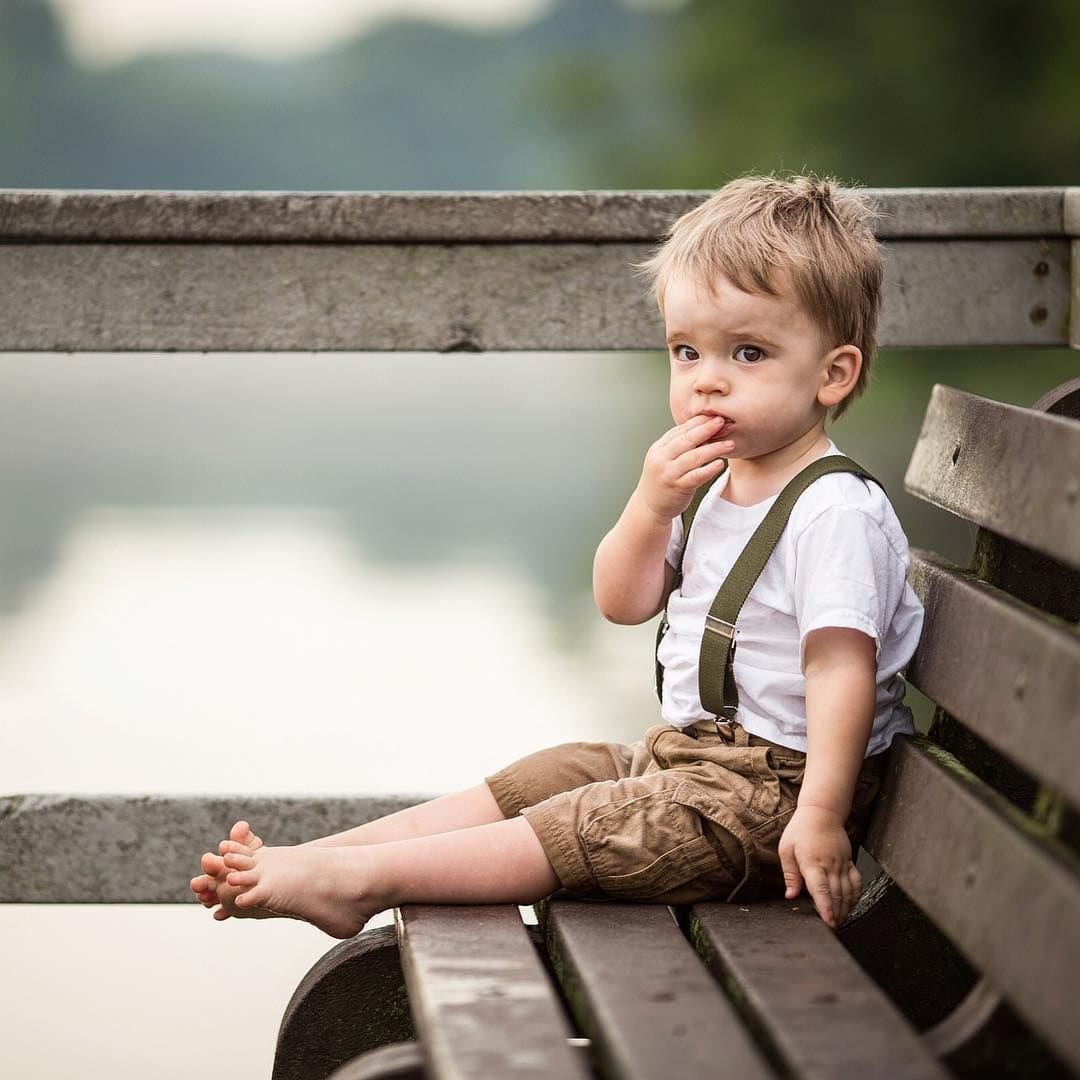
(776,718)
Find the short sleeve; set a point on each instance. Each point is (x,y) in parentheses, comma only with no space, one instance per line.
(847,574)
(675,543)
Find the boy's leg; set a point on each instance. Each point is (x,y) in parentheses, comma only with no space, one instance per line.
(531,779)
(459,810)
(339,888)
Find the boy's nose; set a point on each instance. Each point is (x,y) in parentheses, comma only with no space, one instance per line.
(711,380)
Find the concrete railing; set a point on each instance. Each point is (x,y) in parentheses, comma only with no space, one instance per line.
(164,271)
(180,271)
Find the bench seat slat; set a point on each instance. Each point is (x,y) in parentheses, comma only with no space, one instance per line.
(304,297)
(1008,896)
(1022,693)
(482,1003)
(647,1002)
(990,463)
(822,1013)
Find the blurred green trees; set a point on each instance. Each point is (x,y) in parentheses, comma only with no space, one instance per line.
(970,92)
(594,93)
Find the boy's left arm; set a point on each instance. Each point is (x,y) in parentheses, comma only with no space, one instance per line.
(841,670)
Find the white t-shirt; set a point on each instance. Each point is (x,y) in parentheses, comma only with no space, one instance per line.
(841,561)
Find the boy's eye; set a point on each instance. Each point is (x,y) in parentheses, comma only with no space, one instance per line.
(686,353)
(749,354)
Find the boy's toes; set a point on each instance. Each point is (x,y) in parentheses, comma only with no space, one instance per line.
(242,834)
(221,915)
(252,898)
(227,846)
(211,864)
(238,861)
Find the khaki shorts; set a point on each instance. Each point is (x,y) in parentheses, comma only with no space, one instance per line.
(681,816)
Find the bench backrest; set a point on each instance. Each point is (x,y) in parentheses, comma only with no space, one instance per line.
(978,823)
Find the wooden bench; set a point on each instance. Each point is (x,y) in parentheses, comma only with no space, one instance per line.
(973,931)
(963,955)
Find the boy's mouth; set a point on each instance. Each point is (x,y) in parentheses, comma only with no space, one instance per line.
(725,428)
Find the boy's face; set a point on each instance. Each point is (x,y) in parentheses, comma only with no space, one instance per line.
(758,360)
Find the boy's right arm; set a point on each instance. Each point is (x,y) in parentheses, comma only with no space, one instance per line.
(631,578)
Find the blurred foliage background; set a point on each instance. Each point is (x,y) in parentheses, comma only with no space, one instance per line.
(594,93)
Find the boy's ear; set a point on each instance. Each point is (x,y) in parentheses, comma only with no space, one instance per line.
(840,374)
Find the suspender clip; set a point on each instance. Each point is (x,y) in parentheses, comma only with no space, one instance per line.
(719,626)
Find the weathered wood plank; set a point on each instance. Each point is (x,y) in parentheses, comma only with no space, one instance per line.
(474,217)
(463,297)
(1007,894)
(482,1004)
(988,462)
(643,997)
(823,1016)
(80,848)
(352,1001)
(1008,673)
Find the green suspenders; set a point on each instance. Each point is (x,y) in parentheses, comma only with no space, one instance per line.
(716,670)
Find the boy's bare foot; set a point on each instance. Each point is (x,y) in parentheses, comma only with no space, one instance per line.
(324,886)
(211,888)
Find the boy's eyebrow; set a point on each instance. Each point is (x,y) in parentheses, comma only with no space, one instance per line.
(740,335)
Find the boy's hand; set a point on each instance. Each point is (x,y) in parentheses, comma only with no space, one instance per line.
(815,850)
(679,462)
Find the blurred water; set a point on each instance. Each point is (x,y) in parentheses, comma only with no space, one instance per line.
(213,572)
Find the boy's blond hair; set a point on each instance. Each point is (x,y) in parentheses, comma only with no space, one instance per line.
(818,235)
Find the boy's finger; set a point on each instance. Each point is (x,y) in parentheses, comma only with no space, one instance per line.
(856,883)
(700,433)
(693,432)
(684,428)
(792,877)
(839,892)
(706,472)
(817,885)
(706,453)
(852,882)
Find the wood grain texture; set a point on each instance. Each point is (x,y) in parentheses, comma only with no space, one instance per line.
(473,216)
(1007,672)
(643,996)
(464,297)
(482,1004)
(80,848)
(990,463)
(823,1016)
(1007,894)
